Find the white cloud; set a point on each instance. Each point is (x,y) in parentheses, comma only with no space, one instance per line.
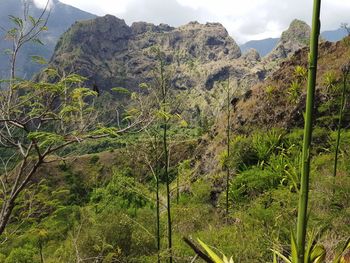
(244,19)
(43,3)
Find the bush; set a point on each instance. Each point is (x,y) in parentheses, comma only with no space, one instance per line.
(253,182)
(22,255)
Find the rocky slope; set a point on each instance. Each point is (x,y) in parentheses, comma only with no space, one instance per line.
(279,101)
(265,46)
(110,53)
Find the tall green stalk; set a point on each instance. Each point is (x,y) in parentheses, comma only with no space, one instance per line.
(305,173)
(345,75)
(157,198)
(228,135)
(164,92)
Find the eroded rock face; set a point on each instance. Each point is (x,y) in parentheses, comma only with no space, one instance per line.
(252,55)
(110,54)
(294,38)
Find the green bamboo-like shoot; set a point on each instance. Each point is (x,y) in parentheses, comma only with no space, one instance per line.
(345,71)
(164,93)
(304,181)
(228,135)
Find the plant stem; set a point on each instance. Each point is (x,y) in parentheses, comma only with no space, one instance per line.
(166,153)
(339,124)
(157,198)
(228,146)
(305,173)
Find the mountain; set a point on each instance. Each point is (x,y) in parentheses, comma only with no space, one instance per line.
(294,38)
(101,203)
(109,53)
(334,35)
(263,46)
(62,16)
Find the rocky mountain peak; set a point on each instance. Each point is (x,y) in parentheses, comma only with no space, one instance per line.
(251,55)
(143,27)
(294,38)
(298,31)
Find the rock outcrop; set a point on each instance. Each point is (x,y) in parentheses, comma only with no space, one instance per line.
(294,38)
(110,53)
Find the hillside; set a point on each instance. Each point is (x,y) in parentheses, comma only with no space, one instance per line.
(216,158)
(263,46)
(200,55)
(102,204)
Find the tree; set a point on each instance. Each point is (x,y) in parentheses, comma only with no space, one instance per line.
(164,107)
(304,181)
(39,118)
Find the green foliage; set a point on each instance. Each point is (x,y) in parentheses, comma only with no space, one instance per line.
(23,255)
(213,255)
(253,182)
(78,190)
(300,73)
(329,79)
(266,143)
(270,91)
(294,91)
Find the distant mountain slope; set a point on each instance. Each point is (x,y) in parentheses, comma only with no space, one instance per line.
(263,46)
(61,18)
(334,35)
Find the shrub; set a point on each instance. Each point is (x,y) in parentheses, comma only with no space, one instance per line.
(294,91)
(22,255)
(253,182)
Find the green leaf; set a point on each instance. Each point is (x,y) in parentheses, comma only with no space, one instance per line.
(74,79)
(279,254)
(38,59)
(111,131)
(32,20)
(338,256)
(121,90)
(12,33)
(37,41)
(293,247)
(51,72)
(68,109)
(16,20)
(45,138)
(318,254)
(143,86)
(210,252)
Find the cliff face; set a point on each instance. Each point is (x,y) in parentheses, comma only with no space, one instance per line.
(110,53)
(295,37)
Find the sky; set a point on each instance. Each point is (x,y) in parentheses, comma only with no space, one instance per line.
(244,19)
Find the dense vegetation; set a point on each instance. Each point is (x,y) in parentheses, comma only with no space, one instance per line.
(129,188)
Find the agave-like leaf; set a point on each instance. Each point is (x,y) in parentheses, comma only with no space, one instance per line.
(309,247)
(293,247)
(210,252)
(318,254)
(338,257)
(279,254)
